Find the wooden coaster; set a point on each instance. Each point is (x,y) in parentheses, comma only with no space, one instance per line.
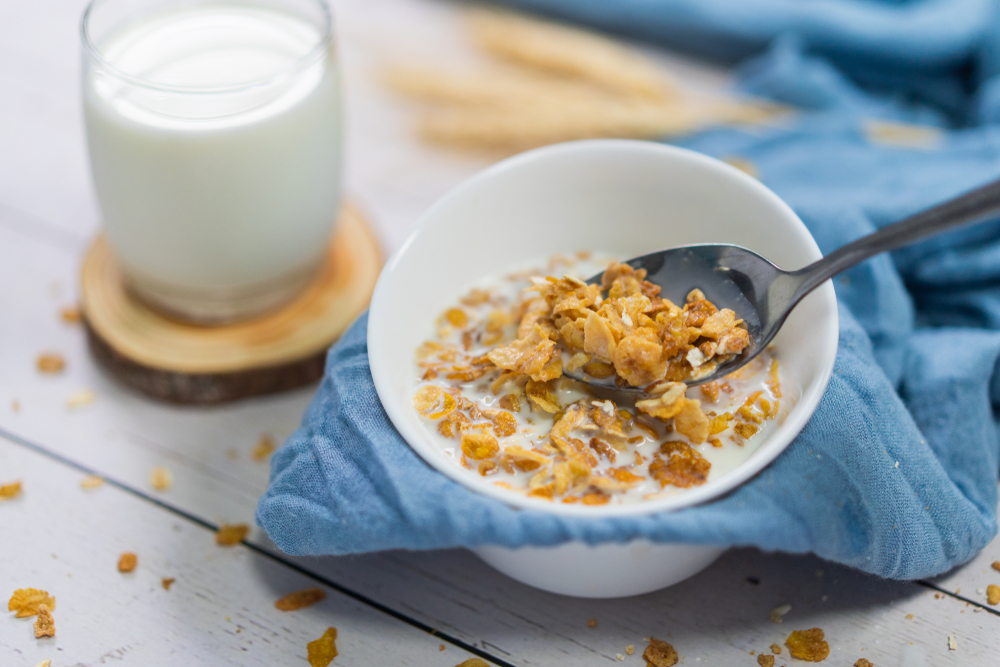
(186,363)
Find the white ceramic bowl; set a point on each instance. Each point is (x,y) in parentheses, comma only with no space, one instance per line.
(623,197)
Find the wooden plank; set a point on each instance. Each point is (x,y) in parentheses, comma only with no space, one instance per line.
(219,610)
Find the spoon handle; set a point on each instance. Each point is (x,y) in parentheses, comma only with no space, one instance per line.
(971,206)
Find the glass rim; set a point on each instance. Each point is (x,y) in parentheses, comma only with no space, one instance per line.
(302,63)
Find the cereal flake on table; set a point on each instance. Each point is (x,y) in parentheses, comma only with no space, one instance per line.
(775,649)
(660,654)
(231,534)
(71,315)
(300,599)
(808,645)
(263,449)
(160,478)
(496,376)
(45,625)
(862,662)
(765,660)
(167,582)
(80,398)
(127,562)
(778,613)
(322,651)
(26,601)
(993,594)
(50,363)
(10,490)
(91,482)
(44,663)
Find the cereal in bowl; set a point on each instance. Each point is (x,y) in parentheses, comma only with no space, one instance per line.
(492,385)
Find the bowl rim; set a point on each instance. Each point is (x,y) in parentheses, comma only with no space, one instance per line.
(767,452)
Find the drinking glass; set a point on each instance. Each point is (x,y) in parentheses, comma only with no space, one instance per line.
(214,133)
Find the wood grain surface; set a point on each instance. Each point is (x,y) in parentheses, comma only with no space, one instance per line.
(385,605)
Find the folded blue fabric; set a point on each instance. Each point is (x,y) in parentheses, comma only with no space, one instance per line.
(895,474)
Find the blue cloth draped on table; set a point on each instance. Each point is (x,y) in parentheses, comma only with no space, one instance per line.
(896,473)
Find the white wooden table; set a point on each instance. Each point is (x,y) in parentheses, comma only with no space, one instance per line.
(398,608)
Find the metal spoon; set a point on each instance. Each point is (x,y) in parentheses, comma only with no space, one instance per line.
(762,294)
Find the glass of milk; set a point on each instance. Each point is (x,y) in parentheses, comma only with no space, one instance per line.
(215,143)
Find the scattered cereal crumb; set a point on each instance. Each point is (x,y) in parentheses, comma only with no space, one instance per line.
(620,657)
(71,315)
(160,478)
(44,663)
(231,534)
(909,616)
(952,644)
(440,647)
(50,363)
(765,660)
(996,565)
(167,582)
(592,623)
(474,662)
(45,625)
(323,650)
(127,562)
(263,449)
(779,612)
(80,398)
(300,599)
(11,490)
(775,649)
(993,594)
(808,645)
(659,653)
(863,663)
(630,649)
(91,482)
(26,601)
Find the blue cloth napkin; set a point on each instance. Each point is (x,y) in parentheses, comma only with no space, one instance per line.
(896,473)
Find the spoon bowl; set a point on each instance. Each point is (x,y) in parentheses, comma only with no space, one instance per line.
(761,294)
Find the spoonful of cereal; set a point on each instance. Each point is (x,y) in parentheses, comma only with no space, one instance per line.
(621,333)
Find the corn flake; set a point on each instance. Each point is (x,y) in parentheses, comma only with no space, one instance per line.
(480,446)
(660,654)
(322,651)
(127,562)
(91,482)
(50,363)
(263,449)
(10,490)
(808,645)
(231,534)
(25,601)
(160,478)
(300,599)
(45,625)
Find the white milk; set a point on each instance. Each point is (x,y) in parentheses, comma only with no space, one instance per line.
(207,194)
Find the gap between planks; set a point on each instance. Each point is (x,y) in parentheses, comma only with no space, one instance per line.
(264,552)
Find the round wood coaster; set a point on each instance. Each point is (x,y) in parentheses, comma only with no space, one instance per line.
(186,363)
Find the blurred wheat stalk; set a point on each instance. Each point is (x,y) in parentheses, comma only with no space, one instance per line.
(554,83)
